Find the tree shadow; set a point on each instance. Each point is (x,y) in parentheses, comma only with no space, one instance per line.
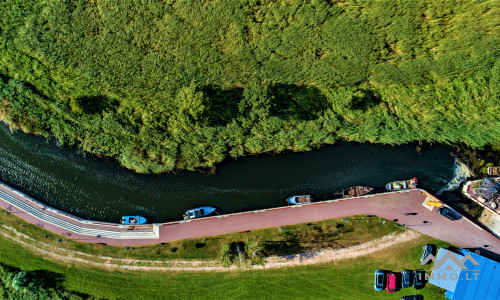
(280,248)
(91,104)
(51,279)
(222,104)
(365,99)
(299,102)
(199,245)
(287,101)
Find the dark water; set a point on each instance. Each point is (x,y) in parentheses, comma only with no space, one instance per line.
(102,190)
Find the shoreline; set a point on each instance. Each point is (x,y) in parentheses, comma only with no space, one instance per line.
(428,221)
(470,156)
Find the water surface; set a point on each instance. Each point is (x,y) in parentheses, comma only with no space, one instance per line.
(102,190)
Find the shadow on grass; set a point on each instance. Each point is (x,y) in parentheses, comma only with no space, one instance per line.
(42,280)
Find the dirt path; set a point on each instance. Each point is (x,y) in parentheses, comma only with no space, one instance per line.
(322,256)
(328,255)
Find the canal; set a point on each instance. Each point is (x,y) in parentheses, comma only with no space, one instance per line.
(101,190)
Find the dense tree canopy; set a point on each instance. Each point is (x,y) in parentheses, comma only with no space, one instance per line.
(165,84)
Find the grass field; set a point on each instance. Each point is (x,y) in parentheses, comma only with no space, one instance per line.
(345,279)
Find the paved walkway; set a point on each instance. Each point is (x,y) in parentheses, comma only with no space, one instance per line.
(392,206)
(66,224)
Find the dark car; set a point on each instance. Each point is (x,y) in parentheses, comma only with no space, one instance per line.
(405,278)
(413,297)
(448,213)
(379,281)
(418,279)
(428,249)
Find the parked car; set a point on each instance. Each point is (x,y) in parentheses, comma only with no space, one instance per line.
(379,281)
(413,297)
(405,278)
(418,279)
(428,249)
(391,283)
(448,213)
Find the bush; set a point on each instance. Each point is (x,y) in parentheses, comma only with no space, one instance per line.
(254,250)
(227,254)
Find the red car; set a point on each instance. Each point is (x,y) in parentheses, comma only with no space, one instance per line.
(391,283)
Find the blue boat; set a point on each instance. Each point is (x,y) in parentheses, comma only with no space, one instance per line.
(133,220)
(198,212)
(302,199)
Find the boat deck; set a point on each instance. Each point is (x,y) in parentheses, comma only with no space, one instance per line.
(467,190)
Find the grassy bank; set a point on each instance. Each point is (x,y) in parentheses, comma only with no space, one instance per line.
(334,233)
(166,85)
(346,279)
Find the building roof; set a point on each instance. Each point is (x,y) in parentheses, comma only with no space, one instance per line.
(466,275)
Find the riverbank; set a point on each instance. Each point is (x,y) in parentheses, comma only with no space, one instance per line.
(203,254)
(478,159)
(392,206)
(258,90)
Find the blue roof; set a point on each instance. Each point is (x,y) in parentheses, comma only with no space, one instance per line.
(476,281)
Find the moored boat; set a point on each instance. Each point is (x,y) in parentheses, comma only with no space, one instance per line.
(493,171)
(355,191)
(198,212)
(302,199)
(402,185)
(133,220)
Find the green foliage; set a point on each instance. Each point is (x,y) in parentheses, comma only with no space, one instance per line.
(254,250)
(165,85)
(20,284)
(227,254)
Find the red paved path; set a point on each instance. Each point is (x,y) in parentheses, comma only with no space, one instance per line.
(462,233)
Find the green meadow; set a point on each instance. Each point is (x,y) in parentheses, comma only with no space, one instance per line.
(345,279)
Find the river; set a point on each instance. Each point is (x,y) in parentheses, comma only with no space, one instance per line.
(101,190)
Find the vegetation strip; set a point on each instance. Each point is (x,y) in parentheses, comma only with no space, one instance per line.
(339,279)
(321,256)
(168,85)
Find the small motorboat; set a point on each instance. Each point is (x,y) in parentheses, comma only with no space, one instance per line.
(198,212)
(302,199)
(133,220)
(493,171)
(402,185)
(356,191)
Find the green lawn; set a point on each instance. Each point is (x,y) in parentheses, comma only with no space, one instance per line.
(346,279)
